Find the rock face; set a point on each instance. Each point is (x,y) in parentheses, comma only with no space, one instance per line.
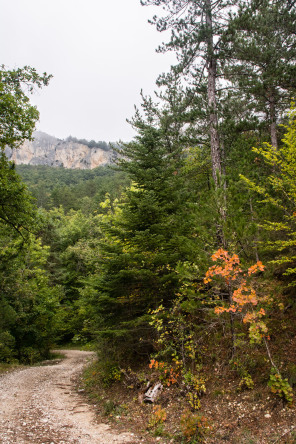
(50,151)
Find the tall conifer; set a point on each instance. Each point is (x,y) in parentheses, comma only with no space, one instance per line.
(196,30)
(260,56)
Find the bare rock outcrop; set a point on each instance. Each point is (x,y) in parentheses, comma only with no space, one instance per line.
(50,151)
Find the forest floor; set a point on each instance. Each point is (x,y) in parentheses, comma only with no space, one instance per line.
(228,413)
(42,404)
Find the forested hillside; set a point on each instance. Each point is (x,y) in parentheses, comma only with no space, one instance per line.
(183,255)
(72,189)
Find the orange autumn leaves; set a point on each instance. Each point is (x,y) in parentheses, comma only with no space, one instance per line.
(241,294)
(168,375)
(229,268)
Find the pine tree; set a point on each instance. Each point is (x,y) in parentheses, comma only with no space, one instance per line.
(196,30)
(260,56)
(145,235)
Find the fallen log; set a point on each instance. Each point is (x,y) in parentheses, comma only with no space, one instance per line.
(152,393)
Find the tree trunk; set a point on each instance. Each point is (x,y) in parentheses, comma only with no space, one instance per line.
(272,113)
(213,121)
(212,102)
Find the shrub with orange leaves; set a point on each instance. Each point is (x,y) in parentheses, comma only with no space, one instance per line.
(228,269)
(167,374)
(193,426)
(242,296)
(158,416)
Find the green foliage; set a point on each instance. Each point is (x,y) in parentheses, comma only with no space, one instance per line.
(109,407)
(110,374)
(256,34)
(7,344)
(246,381)
(195,385)
(17,116)
(122,253)
(280,386)
(90,143)
(279,191)
(72,238)
(17,211)
(144,235)
(291,373)
(103,372)
(28,302)
(72,189)
(175,334)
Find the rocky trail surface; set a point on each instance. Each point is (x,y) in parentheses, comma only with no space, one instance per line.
(41,405)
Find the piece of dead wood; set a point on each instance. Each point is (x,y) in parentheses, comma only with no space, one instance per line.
(130,379)
(143,391)
(152,393)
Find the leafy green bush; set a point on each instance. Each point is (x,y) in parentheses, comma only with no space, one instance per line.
(280,386)
(7,351)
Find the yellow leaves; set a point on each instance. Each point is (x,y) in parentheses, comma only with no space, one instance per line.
(193,400)
(249,317)
(194,426)
(159,413)
(280,188)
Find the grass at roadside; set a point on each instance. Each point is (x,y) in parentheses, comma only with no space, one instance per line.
(54,357)
(6,368)
(75,346)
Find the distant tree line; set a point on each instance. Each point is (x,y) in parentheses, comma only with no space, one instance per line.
(90,143)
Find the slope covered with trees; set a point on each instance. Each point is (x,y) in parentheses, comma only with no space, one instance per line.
(28,301)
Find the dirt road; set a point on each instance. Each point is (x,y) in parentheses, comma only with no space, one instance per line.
(40,405)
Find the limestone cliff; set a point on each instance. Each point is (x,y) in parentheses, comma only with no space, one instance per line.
(50,151)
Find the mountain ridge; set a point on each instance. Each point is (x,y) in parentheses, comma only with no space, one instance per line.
(48,150)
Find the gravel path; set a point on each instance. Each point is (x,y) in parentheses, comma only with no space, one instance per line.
(40,405)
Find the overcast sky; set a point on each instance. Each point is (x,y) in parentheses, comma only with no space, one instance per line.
(100,52)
